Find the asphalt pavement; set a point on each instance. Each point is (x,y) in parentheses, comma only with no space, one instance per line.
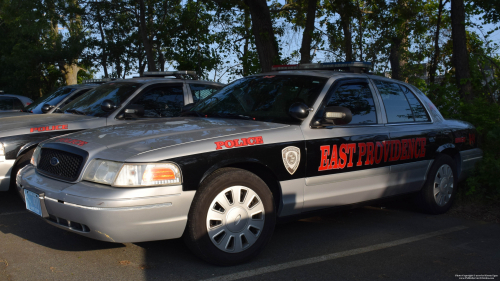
(387,242)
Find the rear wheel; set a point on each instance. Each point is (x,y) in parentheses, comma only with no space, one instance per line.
(440,188)
(232,217)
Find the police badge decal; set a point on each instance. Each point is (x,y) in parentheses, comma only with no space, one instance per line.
(291,158)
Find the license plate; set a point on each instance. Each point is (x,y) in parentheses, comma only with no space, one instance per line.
(33,202)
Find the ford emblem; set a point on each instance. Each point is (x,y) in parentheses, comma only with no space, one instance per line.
(54,161)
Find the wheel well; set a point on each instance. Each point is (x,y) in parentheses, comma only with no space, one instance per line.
(455,155)
(266,175)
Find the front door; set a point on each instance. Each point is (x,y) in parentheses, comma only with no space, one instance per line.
(345,163)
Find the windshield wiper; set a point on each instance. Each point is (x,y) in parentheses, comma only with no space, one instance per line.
(74,111)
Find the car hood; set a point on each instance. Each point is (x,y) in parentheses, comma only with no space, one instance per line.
(154,141)
(11,114)
(29,123)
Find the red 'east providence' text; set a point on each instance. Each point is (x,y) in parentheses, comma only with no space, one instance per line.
(239,142)
(369,153)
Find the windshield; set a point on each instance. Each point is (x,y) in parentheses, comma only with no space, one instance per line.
(263,98)
(53,99)
(90,103)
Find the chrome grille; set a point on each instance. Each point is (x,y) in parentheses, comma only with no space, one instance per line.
(68,164)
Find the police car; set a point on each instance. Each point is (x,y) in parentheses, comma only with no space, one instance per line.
(270,146)
(62,96)
(12,104)
(114,103)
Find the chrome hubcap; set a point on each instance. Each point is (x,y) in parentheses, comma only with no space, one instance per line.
(235,219)
(443,185)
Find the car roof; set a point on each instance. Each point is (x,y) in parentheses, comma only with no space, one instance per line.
(16,96)
(152,80)
(82,86)
(330,74)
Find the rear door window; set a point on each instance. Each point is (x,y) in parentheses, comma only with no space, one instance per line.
(419,111)
(358,98)
(401,105)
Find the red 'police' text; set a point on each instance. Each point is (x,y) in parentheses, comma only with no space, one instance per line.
(49,128)
(239,142)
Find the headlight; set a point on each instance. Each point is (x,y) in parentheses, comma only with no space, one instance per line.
(2,149)
(132,175)
(36,156)
(102,171)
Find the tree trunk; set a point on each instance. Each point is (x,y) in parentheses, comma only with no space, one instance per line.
(71,73)
(395,58)
(104,62)
(305,49)
(143,30)
(245,61)
(345,12)
(262,28)
(434,61)
(460,55)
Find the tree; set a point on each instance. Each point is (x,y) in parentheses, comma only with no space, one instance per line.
(263,32)
(460,55)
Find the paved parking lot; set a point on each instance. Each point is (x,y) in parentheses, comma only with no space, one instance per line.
(371,243)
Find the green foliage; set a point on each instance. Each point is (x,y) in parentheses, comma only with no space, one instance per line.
(483,113)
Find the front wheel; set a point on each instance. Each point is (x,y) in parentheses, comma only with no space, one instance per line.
(232,217)
(440,188)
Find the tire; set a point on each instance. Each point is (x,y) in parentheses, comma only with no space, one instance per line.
(23,160)
(439,191)
(213,219)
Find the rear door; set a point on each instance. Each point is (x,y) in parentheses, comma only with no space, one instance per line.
(413,136)
(344,163)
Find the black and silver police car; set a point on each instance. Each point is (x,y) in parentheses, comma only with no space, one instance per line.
(265,147)
(114,103)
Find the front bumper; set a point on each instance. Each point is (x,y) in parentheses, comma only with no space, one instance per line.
(5,170)
(111,214)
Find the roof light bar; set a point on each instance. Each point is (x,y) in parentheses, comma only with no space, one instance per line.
(97,81)
(178,74)
(351,66)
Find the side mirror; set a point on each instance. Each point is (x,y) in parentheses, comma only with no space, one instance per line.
(187,107)
(299,110)
(133,111)
(47,107)
(338,115)
(108,106)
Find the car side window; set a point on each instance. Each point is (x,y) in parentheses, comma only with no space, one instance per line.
(17,104)
(6,103)
(73,97)
(358,98)
(165,101)
(201,91)
(396,104)
(418,109)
